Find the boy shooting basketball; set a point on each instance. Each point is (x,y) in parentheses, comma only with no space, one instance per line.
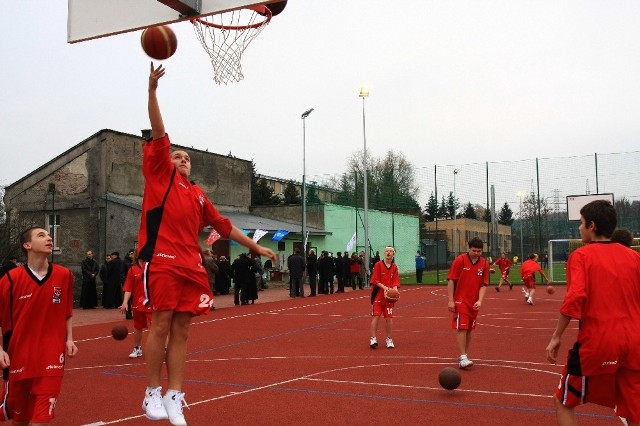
(384,276)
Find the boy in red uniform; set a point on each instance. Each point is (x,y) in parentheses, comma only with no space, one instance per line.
(528,270)
(134,292)
(36,306)
(176,284)
(504,264)
(384,276)
(603,293)
(467,282)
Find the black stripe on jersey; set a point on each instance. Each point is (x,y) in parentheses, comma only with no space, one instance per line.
(153,221)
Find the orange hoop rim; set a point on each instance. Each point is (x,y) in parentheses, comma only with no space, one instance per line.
(259,8)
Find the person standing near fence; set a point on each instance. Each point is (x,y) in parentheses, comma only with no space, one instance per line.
(466,286)
(420,265)
(603,294)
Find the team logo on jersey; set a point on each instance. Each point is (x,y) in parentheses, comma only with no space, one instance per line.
(57,295)
(201,199)
(480,272)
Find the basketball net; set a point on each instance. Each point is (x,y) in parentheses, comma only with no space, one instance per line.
(226,35)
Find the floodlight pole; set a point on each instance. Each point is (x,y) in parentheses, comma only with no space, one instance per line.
(365,94)
(520,194)
(455,215)
(304,182)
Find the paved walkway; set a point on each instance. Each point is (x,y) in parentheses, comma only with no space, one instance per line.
(277,291)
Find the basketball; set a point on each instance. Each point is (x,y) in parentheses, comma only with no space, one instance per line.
(119,332)
(550,289)
(449,378)
(159,42)
(392,295)
(276,8)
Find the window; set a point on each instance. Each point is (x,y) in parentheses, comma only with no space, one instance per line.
(53,224)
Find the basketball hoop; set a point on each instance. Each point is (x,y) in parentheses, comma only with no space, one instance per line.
(225,36)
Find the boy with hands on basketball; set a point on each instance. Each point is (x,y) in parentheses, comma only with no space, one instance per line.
(603,293)
(384,276)
(466,285)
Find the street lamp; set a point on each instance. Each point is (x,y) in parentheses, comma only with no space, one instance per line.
(304,183)
(520,195)
(365,94)
(455,215)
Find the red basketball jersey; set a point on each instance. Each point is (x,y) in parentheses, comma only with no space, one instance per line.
(469,278)
(34,313)
(503,264)
(134,284)
(529,268)
(174,211)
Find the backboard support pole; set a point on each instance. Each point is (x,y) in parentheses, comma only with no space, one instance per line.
(184,7)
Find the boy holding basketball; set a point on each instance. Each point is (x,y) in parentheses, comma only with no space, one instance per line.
(36,306)
(603,293)
(504,264)
(384,276)
(467,282)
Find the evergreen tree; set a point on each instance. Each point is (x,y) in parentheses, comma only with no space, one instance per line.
(452,205)
(431,209)
(312,194)
(291,194)
(443,212)
(505,217)
(469,211)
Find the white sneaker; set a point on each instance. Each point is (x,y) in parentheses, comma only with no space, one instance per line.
(390,344)
(373,342)
(153,406)
(526,294)
(464,362)
(530,300)
(173,402)
(136,353)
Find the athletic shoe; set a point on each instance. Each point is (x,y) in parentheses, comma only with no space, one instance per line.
(173,402)
(153,406)
(624,421)
(530,300)
(390,344)
(526,294)
(137,352)
(498,289)
(373,343)
(464,362)
(510,287)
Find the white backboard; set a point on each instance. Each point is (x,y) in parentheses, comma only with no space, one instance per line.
(90,19)
(576,202)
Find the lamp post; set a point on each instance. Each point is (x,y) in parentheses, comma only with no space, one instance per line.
(365,94)
(304,183)
(455,215)
(520,195)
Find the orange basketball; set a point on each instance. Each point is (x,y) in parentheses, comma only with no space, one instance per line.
(119,332)
(550,289)
(159,42)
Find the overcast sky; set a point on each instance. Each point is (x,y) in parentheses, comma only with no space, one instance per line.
(451,82)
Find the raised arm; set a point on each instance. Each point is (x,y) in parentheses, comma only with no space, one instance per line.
(155,117)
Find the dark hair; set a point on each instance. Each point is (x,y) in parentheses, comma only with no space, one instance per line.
(602,214)
(533,256)
(115,253)
(25,237)
(476,242)
(622,236)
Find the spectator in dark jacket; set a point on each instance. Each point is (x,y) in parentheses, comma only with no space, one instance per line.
(339,271)
(9,264)
(326,272)
(89,291)
(312,271)
(296,267)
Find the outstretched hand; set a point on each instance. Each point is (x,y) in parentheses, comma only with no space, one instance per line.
(154,76)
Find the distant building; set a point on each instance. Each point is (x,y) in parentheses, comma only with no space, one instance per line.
(467,229)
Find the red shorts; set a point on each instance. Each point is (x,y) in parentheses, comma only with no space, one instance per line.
(171,288)
(464,318)
(505,274)
(619,391)
(141,319)
(530,282)
(33,400)
(382,307)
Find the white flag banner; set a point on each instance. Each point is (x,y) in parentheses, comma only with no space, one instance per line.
(259,234)
(352,242)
